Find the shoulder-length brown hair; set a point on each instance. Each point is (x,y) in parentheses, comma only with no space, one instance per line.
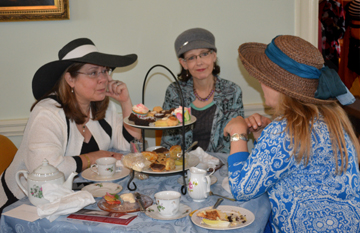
(299,115)
(184,75)
(68,101)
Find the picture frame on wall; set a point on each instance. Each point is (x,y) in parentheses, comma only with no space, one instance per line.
(34,10)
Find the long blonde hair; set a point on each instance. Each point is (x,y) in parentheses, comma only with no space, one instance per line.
(299,115)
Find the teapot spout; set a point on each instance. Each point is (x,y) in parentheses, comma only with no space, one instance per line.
(68,183)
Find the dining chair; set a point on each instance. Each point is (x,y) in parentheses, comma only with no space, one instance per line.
(7,152)
(158,135)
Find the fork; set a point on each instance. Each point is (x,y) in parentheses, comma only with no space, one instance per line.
(213,194)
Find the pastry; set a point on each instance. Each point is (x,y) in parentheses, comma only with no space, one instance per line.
(178,113)
(157,109)
(174,150)
(213,214)
(142,122)
(140,109)
(151,114)
(161,150)
(112,199)
(159,115)
(170,164)
(161,123)
(156,167)
(128,197)
(150,155)
(133,117)
(172,121)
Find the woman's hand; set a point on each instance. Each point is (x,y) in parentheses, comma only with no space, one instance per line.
(118,90)
(256,123)
(236,125)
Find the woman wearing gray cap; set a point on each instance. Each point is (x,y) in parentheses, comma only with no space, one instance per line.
(73,123)
(214,101)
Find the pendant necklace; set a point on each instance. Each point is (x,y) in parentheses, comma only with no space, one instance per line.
(207,97)
(83,128)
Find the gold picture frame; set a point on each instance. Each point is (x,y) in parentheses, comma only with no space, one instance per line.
(52,10)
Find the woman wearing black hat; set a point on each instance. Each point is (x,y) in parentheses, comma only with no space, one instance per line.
(306,159)
(213,100)
(73,123)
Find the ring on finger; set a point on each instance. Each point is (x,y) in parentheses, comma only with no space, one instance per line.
(118,83)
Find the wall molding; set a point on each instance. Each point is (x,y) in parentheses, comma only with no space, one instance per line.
(15,127)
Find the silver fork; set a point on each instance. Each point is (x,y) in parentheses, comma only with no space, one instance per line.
(213,194)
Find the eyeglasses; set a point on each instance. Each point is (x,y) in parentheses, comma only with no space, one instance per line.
(106,71)
(201,55)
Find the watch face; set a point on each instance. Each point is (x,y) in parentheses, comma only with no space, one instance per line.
(235,137)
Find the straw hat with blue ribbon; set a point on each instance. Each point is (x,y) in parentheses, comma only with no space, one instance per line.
(294,67)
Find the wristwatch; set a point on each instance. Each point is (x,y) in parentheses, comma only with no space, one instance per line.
(236,137)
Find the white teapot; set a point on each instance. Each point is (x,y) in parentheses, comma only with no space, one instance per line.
(44,173)
(198,184)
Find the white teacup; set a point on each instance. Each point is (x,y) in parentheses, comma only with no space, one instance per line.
(106,167)
(167,202)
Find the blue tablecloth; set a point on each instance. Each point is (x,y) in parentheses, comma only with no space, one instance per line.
(259,206)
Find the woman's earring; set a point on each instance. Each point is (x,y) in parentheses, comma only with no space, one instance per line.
(187,73)
(72,90)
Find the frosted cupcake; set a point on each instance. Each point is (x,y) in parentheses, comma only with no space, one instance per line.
(140,110)
(178,113)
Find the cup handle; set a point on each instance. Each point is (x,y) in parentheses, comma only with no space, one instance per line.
(96,171)
(25,173)
(208,181)
(213,170)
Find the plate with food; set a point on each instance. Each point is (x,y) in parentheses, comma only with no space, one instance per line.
(223,218)
(143,118)
(100,189)
(124,203)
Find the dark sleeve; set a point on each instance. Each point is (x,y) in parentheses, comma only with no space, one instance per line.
(127,135)
(79,164)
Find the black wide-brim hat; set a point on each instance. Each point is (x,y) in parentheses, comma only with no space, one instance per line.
(80,50)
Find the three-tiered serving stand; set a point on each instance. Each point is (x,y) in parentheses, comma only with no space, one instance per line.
(132,173)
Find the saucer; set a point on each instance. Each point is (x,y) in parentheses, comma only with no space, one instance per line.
(153,212)
(90,175)
(213,180)
(100,189)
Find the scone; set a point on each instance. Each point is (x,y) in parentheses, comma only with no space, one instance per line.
(157,109)
(174,150)
(150,156)
(170,164)
(161,123)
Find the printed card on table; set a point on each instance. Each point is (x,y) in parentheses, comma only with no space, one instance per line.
(103,216)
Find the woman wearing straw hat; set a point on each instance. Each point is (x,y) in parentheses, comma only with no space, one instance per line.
(73,123)
(306,159)
(213,100)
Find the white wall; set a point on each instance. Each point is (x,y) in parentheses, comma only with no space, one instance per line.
(145,27)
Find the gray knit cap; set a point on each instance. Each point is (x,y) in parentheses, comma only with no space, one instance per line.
(195,38)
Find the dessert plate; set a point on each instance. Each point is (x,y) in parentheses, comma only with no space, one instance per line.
(100,189)
(250,217)
(152,125)
(213,180)
(125,207)
(90,175)
(153,212)
(193,160)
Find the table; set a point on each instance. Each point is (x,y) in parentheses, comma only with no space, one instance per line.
(259,206)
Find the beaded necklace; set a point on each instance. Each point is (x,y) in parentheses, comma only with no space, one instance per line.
(207,97)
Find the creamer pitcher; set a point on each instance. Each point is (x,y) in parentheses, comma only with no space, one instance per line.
(198,184)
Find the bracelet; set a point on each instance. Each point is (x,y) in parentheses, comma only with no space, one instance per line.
(88,160)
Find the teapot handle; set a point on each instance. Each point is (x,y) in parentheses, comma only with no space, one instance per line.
(208,183)
(25,173)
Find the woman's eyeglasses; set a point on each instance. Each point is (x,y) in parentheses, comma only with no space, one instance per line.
(95,74)
(201,55)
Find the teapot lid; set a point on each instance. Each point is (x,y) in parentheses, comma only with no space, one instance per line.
(46,171)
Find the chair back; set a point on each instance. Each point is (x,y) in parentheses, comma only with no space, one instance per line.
(7,152)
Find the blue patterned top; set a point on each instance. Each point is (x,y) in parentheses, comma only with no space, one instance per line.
(228,101)
(303,199)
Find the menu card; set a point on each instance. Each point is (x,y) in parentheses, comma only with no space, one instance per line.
(103,216)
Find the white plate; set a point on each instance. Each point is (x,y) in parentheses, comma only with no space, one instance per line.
(250,217)
(213,180)
(100,189)
(225,184)
(153,212)
(152,125)
(90,175)
(193,160)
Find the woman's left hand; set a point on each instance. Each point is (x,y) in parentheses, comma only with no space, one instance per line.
(118,90)
(256,124)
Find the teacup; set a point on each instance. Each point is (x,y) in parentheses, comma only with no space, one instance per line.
(106,167)
(167,202)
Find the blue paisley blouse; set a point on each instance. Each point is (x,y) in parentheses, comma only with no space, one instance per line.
(228,101)
(303,199)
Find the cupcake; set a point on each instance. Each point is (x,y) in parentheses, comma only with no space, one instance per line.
(140,110)
(178,113)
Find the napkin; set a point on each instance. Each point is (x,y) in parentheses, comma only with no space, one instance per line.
(206,160)
(62,201)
